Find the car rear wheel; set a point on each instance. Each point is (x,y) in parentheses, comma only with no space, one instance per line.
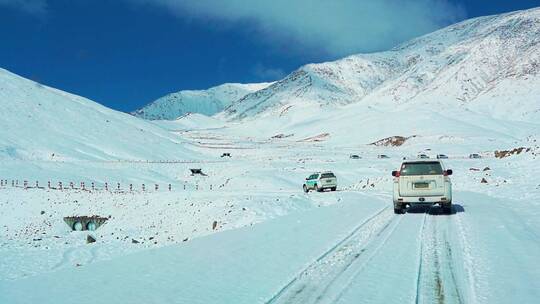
(398,209)
(333,188)
(306,190)
(447,208)
(318,189)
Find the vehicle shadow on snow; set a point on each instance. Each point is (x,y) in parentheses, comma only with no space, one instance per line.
(436,210)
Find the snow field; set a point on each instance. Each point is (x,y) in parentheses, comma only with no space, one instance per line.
(324,247)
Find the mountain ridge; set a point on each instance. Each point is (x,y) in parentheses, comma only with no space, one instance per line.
(207,102)
(471,58)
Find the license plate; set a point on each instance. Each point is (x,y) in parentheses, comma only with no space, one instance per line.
(328,181)
(421,185)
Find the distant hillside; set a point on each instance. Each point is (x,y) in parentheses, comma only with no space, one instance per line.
(42,123)
(207,102)
(488,65)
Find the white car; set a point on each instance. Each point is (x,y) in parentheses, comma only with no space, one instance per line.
(422,182)
(319,181)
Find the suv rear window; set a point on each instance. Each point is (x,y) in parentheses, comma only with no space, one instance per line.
(421,168)
(327,175)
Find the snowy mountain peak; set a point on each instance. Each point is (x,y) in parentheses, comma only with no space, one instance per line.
(464,65)
(207,102)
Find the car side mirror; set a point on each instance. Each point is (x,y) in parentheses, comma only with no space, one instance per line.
(395,173)
(449,172)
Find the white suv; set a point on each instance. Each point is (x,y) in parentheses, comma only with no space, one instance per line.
(422,182)
(320,181)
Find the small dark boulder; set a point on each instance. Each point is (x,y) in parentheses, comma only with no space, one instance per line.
(484,181)
(90,239)
(134,241)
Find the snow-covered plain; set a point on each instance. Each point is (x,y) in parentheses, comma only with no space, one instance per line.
(276,244)
(245,232)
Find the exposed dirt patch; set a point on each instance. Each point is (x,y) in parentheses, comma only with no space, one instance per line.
(506,153)
(281,135)
(392,141)
(316,138)
(285,110)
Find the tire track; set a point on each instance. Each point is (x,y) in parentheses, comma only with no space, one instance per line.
(437,281)
(326,293)
(420,260)
(469,261)
(358,270)
(306,287)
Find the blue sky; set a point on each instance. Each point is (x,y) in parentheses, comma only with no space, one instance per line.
(126,53)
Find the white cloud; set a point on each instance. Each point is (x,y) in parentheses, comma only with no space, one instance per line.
(33,7)
(336,27)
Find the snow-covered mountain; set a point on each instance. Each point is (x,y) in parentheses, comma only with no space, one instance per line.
(487,65)
(42,123)
(207,102)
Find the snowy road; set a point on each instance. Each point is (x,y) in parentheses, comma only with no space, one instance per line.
(409,254)
(357,251)
(472,256)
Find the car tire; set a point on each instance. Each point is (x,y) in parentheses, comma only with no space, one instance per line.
(447,209)
(398,209)
(318,189)
(333,188)
(306,190)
